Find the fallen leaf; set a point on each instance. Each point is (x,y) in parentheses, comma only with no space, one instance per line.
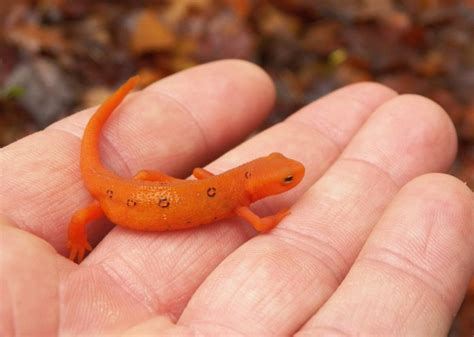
(36,38)
(243,8)
(150,34)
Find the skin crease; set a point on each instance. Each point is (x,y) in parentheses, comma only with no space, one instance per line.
(374,233)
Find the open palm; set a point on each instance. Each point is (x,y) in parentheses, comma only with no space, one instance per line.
(376,243)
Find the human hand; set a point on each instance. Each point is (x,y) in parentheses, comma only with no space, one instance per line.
(375,244)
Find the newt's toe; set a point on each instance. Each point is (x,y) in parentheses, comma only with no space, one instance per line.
(77,250)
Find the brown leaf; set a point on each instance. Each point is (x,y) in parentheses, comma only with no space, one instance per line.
(36,38)
(177,11)
(150,34)
(243,8)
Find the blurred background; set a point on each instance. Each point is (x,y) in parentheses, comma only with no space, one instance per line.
(59,56)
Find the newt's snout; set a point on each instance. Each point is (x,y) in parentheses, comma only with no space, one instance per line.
(275,174)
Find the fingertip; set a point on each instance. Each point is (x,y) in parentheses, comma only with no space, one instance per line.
(409,135)
(432,123)
(222,96)
(444,196)
(236,77)
(341,113)
(252,71)
(431,183)
(367,90)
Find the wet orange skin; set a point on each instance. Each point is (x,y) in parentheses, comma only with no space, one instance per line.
(153,201)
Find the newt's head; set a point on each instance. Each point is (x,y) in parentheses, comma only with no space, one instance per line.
(271,175)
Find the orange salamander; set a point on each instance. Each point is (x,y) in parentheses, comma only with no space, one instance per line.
(154,201)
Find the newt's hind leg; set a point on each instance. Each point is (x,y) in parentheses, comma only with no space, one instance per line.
(77,241)
(265,224)
(153,176)
(200,173)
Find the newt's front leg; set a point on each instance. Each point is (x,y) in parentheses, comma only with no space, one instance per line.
(154,176)
(77,241)
(200,173)
(261,224)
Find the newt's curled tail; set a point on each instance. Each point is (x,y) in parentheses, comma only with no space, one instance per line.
(90,155)
(93,172)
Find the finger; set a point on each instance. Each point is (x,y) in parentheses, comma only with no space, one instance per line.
(28,284)
(167,127)
(161,271)
(276,282)
(411,276)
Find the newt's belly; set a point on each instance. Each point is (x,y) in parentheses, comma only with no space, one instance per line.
(169,211)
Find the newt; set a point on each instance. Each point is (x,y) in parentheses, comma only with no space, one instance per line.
(154,201)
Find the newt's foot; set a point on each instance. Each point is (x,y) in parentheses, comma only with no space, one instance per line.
(281,214)
(265,224)
(77,248)
(269,222)
(77,242)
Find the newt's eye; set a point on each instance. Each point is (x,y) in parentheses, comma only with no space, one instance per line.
(288,179)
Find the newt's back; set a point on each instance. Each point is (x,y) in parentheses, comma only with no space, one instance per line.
(154,206)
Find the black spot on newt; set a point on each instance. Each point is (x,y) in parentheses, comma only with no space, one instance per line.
(110,194)
(131,203)
(211,192)
(163,203)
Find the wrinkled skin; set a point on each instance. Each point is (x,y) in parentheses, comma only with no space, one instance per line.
(377,243)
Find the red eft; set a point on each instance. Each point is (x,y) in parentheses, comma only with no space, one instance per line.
(154,201)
